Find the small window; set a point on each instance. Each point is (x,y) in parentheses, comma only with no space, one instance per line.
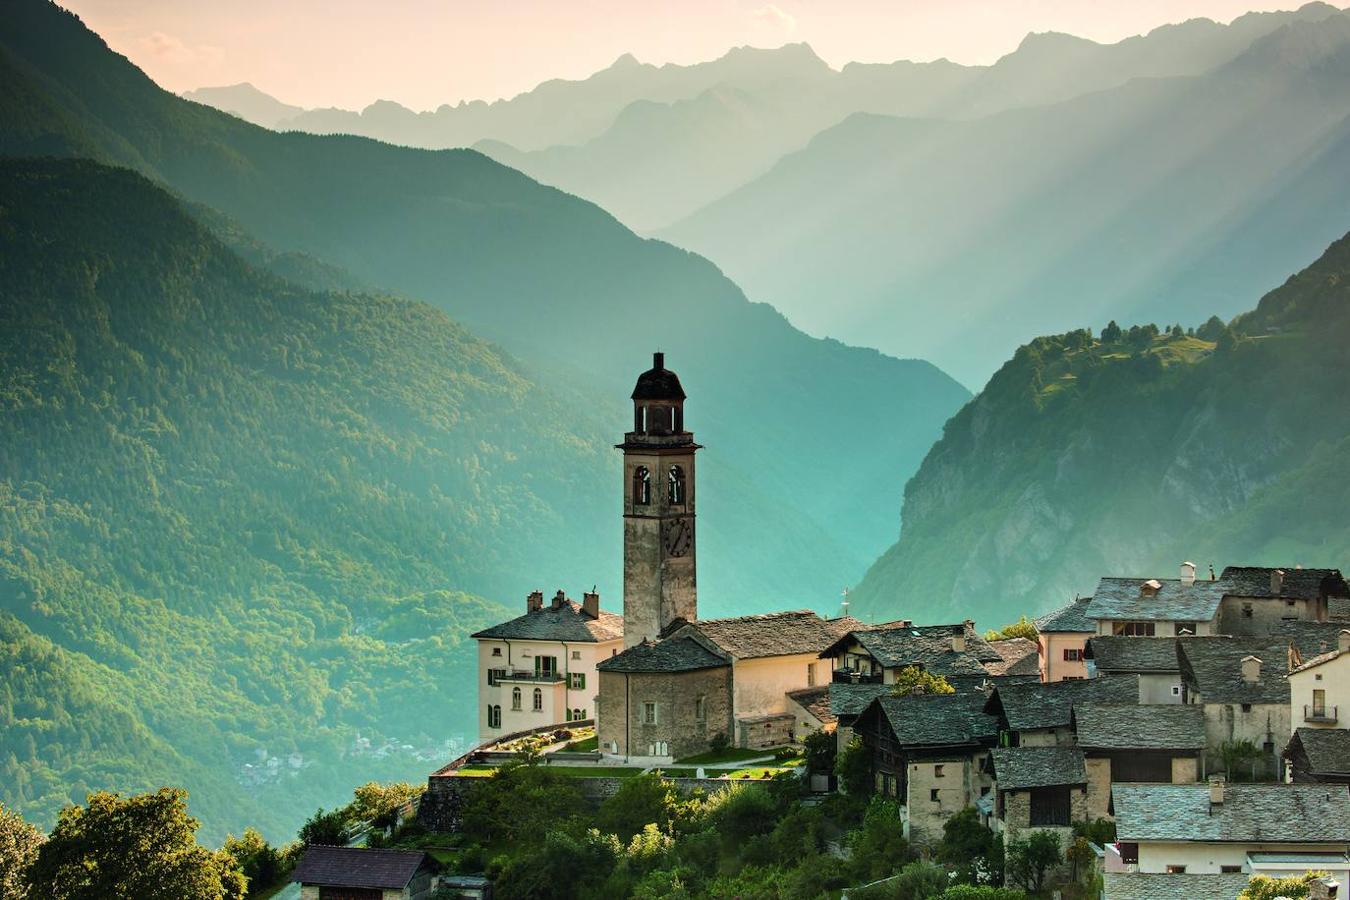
(576,654)
(538,700)
(496,651)
(675,481)
(701,708)
(937,771)
(1176,690)
(1230,870)
(810,674)
(1246,707)
(1073,654)
(494,717)
(578,715)
(649,714)
(1176,870)
(515,698)
(1129,852)
(577,680)
(933,795)
(496,675)
(1246,610)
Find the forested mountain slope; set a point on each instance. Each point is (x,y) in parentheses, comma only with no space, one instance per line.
(1127,454)
(1161,198)
(790,507)
(236,515)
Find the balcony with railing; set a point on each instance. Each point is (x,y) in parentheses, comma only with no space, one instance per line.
(503,676)
(1322,715)
(853,676)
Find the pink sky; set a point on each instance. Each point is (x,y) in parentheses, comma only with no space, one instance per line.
(422,53)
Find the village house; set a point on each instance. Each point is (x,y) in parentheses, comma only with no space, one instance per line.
(1319,755)
(1319,686)
(1153,660)
(1019,661)
(930,753)
(1130,743)
(357,873)
(1041,788)
(1156,607)
(539,669)
(847,701)
(664,700)
(1240,684)
(1273,829)
(1256,598)
(877,654)
(772,655)
(810,708)
(1061,640)
(1040,715)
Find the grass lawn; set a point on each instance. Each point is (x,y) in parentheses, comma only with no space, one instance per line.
(754,774)
(729,755)
(588,745)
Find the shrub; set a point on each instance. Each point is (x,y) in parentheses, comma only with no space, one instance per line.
(853,768)
(1031,857)
(878,847)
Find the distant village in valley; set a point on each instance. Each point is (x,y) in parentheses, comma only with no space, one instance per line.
(1191,731)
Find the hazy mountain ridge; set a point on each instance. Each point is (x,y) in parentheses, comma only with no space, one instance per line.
(1082,458)
(1135,202)
(238,508)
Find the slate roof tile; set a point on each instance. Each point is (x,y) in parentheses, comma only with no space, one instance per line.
(936,720)
(1018,657)
(1166,886)
(357,867)
(1297,584)
(770,634)
(848,700)
(1019,768)
(566,623)
(1124,598)
(1212,668)
(1029,707)
(929,646)
(1327,749)
(1123,655)
(1071,618)
(1171,726)
(816,701)
(1271,813)
(674,654)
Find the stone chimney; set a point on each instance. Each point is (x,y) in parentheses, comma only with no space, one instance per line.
(1324,888)
(534,601)
(1343,641)
(1150,588)
(558,600)
(1277,581)
(1251,669)
(590,604)
(959,639)
(1188,573)
(1215,791)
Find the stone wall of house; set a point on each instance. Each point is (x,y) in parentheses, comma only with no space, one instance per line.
(442,806)
(1266,615)
(954,790)
(679,728)
(1047,737)
(1262,724)
(1185,770)
(770,731)
(1099,787)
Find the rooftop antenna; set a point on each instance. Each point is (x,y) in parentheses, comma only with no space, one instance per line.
(1211,572)
(843,611)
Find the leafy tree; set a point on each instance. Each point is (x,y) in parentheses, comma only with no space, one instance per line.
(1263,887)
(643,799)
(966,847)
(1029,858)
(1080,856)
(1111,334)
(737,812)
(1098,831)
(919,880)
(134,848)
(379,804)
(877,848)
(1022,628)
(505,807)
(913,680)
(327,828)
(19,844)
(821,747)
(1212,329)
(854,768)
(663,884)
(261,863)
(560,866)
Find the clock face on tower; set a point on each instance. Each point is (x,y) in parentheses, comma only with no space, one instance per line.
(676,537)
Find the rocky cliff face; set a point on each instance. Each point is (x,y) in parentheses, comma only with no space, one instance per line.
(1085,457)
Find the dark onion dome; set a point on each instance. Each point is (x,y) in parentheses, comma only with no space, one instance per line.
(658,382)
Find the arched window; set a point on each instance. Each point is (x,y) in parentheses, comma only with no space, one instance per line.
(642,486)
(515,698)
(676,484)
(538,700)
(578,715)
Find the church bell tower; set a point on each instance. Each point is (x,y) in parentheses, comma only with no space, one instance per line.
(659,562)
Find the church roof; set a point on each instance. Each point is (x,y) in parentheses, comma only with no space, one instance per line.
(772,634)
(566,623)
(658,382)
(675,654)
